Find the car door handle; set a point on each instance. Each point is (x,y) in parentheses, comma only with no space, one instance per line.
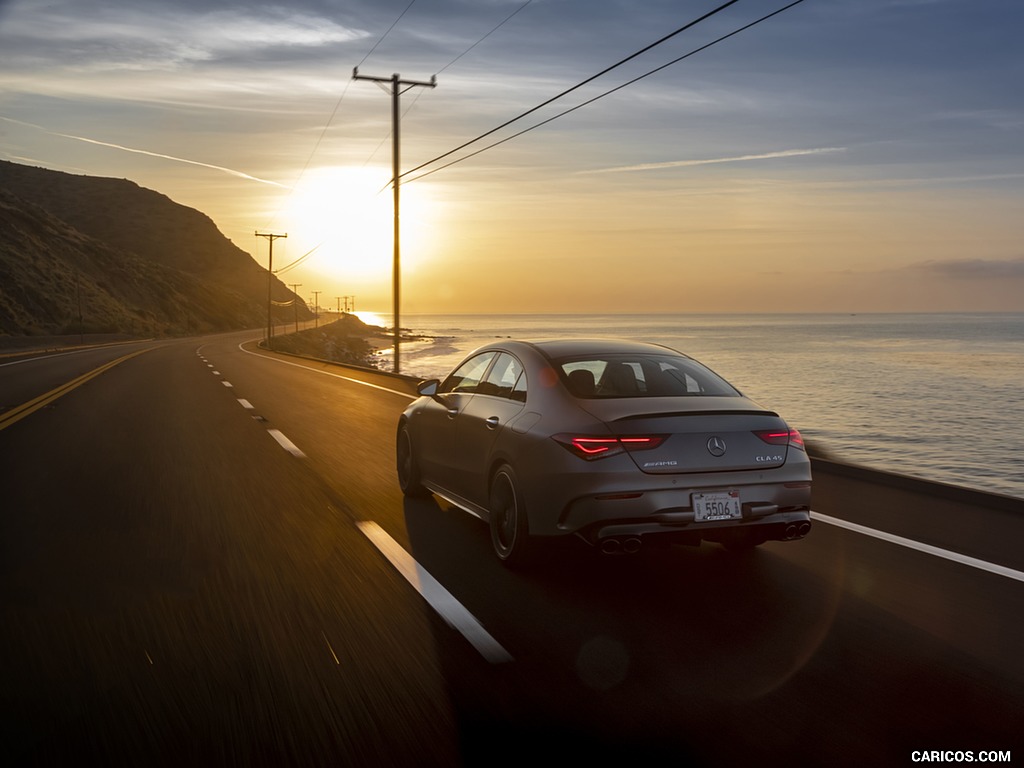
(492,423)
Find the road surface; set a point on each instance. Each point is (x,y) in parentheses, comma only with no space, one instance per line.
(206,560)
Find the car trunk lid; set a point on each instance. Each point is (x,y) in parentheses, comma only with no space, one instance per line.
(708,434)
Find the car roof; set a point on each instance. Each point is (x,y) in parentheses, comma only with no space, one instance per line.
(558,348)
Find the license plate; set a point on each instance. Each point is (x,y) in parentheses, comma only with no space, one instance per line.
(716,506)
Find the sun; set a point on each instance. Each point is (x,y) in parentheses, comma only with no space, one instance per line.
(346,214)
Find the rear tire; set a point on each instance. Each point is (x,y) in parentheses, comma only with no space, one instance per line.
(409,479)
(510,529)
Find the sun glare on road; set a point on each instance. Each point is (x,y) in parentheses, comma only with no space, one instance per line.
(347,211)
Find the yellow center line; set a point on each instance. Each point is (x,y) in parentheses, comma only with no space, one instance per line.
(21,411)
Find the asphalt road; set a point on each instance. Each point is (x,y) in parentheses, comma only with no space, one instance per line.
(205,559)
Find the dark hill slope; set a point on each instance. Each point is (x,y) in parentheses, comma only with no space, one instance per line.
(138,261)
(54,279)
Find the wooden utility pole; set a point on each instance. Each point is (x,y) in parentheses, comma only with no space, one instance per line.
(398,87)
(295,303)
(270,280)
(316,308)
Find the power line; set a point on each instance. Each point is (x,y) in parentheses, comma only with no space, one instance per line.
(579,85)
(388,32)
(298,261)
(596,98)
(412,104)
(493,30)
(341,98)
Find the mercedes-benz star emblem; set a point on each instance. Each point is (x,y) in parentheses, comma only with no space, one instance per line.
(716,446)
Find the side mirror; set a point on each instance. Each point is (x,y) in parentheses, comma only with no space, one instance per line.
(428,387)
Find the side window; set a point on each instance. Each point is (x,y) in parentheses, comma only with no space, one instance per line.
(503,377)
(467,376)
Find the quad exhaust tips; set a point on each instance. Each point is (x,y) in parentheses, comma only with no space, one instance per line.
(628,545)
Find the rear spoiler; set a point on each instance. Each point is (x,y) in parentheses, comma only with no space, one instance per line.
(663,414)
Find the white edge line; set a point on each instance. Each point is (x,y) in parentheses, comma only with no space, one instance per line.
(285,443)
(326,373)
(973,562)
(439,598)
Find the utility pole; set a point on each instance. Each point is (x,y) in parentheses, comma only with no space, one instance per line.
(398,87)
(316,308)
(78,297)
(295,303)
(270,280)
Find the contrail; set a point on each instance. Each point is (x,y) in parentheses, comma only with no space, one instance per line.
(231,171)
(712,161)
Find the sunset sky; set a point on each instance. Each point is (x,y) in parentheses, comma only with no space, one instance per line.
(845,155)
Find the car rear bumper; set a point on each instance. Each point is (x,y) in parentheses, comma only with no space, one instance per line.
(616,536)
(770,511)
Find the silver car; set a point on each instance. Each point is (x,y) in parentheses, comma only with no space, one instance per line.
(619,443)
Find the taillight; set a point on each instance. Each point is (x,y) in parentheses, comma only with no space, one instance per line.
(591,447)
(782,437)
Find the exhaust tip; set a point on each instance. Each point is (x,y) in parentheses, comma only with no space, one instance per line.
(805,528)
(615,545)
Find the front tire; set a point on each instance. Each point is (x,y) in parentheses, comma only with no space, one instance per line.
(409,479)
(510,529)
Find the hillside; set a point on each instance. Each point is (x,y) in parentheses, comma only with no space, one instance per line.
(99,255)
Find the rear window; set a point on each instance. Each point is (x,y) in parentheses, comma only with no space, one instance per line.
(642,376)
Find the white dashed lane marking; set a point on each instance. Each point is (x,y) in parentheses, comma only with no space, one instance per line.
(285,443)
(439,598)
(279,436)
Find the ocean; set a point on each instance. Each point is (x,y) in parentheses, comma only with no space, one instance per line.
(935,396)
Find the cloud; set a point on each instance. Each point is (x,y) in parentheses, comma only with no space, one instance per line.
(975,269)
(165,37)
(712,161)
(229,171)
